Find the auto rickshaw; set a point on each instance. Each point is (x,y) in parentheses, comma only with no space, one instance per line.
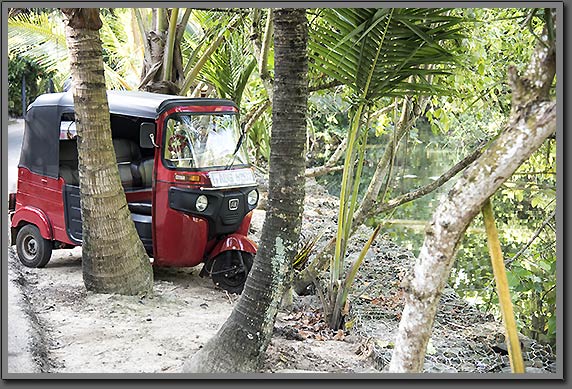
(184,169)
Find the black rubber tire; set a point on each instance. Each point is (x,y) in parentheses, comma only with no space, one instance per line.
(231,281)
(33,250)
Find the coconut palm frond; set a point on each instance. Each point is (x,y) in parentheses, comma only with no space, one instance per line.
(115,80)
(344,46)
(230,67)
(301,258)
(123,50)
(39,37)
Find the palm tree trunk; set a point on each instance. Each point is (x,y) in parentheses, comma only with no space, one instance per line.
(240,344)
(162,62)
(113,257)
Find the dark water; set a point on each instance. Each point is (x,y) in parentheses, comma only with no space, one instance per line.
(418,162)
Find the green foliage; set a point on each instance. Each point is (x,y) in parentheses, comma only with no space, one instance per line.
(40,38)
(230,67)
(258,140)
(498,38)
(122,48)
(358,48)
(328,122)
(458,56)
(37,82)
(520,209)
(375,53)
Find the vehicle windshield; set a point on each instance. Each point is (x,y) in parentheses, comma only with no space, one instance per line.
(203,140)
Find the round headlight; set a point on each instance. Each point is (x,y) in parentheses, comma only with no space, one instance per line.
(253,197)
(202,203)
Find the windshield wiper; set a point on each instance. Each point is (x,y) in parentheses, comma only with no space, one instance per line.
(238,144)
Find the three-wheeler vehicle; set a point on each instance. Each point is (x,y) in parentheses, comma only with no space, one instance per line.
(184,169)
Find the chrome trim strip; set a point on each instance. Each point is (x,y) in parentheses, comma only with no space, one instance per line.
(230,187)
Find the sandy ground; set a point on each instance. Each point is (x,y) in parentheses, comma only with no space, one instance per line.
(83,332)
(100,333)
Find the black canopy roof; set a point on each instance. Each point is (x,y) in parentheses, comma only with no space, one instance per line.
(40,144)
(132,103)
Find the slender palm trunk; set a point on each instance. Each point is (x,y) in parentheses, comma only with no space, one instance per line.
(114,259)
(240,344)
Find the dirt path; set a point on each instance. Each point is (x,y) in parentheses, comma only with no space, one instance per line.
(94,333)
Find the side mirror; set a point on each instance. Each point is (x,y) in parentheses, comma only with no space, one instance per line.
(147,136)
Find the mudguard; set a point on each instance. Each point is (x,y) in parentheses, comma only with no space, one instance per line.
(34,216)
(234,242)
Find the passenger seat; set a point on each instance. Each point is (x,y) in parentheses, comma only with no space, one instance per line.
(145,170)
(68,162)
(128,156)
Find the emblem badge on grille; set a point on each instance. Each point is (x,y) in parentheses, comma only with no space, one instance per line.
(233,204)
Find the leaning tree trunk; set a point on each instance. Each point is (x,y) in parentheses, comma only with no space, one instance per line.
(533,119)
(240,344)
(113,257)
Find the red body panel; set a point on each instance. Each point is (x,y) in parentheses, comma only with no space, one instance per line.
(39,201)
(178,239)
(233,242)
(33,215)
(139,195)
(243,229)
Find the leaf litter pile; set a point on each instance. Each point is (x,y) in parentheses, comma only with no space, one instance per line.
(464,339)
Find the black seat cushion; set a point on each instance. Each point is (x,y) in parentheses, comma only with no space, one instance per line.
(126,153)
(126,150)
(68,162)
(145,170)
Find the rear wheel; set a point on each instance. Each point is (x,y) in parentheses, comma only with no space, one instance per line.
(33,250)
(230,269)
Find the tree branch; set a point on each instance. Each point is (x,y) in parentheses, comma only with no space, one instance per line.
(409,115)
(329,166)
(190,77)
(183,25)
(327,85)
(424,190)
(261,47)
(255,114)
(534,236)
(321,170)
(170,45)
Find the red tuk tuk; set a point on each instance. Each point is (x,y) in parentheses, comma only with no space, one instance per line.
(184,169)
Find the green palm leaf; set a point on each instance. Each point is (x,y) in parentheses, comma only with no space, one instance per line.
(230,67)
(41,38)
(344,46)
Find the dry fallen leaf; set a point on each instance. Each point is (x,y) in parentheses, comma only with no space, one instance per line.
(304,334)
(346,309)
(339,335)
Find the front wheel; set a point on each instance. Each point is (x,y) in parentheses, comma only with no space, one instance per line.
(33,250)
(230,269)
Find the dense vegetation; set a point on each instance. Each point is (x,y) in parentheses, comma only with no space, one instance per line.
(464,95)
